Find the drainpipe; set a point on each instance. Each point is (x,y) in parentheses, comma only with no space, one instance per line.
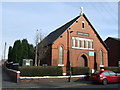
(69,52)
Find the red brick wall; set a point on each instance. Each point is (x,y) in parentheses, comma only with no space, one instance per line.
(114,49)
(15,75)
(75,54)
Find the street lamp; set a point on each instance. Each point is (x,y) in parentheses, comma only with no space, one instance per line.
(36,49)
(69,53)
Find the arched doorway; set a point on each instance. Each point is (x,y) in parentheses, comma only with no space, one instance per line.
(83,61)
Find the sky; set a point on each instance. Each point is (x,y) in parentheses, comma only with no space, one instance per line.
(21,19)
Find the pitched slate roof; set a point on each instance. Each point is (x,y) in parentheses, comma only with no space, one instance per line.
(56,34)
(49,40)
(113,38)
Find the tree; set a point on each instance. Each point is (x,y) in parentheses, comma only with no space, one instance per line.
(43,53)
(25,48)
(38,39)
(30,51)
(17,52)
(10,57)
(21,50)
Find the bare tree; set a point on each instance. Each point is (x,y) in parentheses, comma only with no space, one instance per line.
(41,36)
(38,40)
(43,53)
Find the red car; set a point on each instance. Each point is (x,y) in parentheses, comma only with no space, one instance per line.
(104,77)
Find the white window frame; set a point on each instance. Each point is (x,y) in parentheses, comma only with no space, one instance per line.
(74,41)
(61,56)
(91,44)
(60,64)
(101,58)
(86,44)
(81,43)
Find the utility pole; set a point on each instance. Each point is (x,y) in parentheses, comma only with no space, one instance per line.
(36,49)
(5,51)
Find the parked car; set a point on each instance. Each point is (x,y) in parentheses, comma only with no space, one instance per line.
(104,77)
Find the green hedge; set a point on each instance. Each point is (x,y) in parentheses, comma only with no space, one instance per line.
(114,69)
(80,70)
(40,71)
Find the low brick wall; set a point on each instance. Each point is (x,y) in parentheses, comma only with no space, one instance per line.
(15,75)
(51,78)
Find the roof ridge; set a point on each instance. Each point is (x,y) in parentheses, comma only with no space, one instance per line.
(50,38)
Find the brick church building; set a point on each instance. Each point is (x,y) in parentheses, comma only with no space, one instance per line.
(75,44)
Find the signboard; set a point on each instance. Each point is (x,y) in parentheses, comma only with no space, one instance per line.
(80,33)
(91,53)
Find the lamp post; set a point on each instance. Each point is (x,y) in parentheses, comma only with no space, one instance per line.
(69,54)
(5,51)
(36,49)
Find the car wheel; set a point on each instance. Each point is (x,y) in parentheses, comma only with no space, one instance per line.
(104,82)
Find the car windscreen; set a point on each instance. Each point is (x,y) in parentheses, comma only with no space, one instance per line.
(98,72)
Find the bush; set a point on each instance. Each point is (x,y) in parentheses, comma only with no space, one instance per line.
(114,69)
(80,70)
(40,71)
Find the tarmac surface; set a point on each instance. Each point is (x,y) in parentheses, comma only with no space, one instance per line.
(8,84)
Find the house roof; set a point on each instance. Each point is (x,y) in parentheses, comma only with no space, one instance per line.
(57,33)
(50,39)
(117,39)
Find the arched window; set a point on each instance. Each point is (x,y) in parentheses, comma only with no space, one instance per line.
(60,55)
(101,57)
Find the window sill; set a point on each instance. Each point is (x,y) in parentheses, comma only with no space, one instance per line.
(60,64)
(83,48)
(101,65)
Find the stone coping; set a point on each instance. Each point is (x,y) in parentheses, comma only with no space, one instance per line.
(45,77)
(14,70)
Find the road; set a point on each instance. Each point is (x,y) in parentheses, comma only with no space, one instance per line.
(8,84)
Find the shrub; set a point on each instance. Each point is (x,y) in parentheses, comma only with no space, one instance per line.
(80,70)
(40,71)
(114,69)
